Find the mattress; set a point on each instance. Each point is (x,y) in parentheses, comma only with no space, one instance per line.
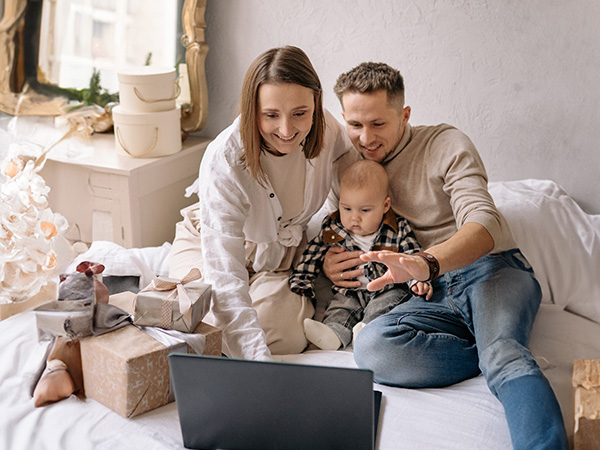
(463,416)
(561,242)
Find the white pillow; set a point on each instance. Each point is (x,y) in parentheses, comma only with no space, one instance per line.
(118,260)
(559,239)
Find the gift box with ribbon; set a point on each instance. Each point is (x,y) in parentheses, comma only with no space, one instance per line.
(128,370)
(173,304)
(81,309)
(586,381)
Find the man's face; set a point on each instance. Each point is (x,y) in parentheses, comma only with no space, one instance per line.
(375,126)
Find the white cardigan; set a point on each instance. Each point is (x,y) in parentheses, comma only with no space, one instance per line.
(235,208)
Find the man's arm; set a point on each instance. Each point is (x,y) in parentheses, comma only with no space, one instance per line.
(465,247)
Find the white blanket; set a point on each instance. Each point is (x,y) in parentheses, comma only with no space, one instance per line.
(465,416)
(561,242)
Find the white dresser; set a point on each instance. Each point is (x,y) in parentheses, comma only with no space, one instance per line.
(134,202)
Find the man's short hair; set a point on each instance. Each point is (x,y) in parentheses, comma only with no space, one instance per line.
(371,77)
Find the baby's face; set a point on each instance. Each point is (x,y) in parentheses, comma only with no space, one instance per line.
(361,210)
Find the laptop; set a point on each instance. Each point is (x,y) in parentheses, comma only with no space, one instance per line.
(238,404)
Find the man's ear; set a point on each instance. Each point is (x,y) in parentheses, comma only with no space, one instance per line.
(405,115)
(387,204)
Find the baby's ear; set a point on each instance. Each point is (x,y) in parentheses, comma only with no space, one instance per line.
(387,204)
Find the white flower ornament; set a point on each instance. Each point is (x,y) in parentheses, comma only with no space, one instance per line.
(28,229)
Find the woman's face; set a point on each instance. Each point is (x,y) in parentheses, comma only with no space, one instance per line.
(285,115)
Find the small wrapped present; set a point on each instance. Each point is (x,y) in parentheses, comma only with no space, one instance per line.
(173,304)
(72,319)
(128,371)
(586,381)
(73,314)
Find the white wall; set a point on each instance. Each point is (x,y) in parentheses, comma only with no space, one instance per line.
(521,78)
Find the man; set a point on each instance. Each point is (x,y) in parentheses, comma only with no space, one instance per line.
(485,297)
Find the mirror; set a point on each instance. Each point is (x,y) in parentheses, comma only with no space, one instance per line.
(35,79)
(192,17)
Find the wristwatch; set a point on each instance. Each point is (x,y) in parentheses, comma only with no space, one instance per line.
(432,263)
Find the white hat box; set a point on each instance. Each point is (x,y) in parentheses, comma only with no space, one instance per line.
(147,135)
(147,89)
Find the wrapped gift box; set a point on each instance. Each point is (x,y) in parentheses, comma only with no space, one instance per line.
(159,305)
(128,371)
(66,318)
(586,381)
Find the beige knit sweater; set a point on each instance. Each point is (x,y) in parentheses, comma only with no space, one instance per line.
(438,182)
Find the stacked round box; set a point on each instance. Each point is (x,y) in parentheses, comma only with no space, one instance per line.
(147,121)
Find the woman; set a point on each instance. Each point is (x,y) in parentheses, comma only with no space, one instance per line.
(261,180)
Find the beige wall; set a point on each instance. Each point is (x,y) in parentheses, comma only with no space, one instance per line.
(520,78)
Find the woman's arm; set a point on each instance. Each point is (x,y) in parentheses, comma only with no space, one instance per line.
(224,205)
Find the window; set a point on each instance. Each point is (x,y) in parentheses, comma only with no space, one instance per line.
(78,36)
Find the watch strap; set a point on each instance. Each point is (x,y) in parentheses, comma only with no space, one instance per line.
(432,263)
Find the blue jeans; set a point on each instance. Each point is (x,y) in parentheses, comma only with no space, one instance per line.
(479,319)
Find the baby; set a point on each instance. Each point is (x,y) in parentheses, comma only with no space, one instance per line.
(363,222)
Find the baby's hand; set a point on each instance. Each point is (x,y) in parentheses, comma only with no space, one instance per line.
(422,289)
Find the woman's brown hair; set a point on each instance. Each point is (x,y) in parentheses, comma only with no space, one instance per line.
(278,65)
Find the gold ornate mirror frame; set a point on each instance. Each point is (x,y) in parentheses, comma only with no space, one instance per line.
(23,94)
(192,18)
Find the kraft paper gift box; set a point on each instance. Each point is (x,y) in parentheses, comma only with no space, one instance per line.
(586,381)
(128,371)
(173,304)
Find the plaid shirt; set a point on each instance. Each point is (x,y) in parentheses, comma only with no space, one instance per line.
(395,234)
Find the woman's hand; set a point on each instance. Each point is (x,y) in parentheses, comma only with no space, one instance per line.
(336,264)
(401,268)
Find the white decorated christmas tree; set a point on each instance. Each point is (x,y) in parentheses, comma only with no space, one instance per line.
(28,227)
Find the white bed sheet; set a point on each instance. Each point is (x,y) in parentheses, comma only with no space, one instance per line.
(561,242)
(465,416)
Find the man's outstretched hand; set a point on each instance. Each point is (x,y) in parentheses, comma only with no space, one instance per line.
(401,268)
